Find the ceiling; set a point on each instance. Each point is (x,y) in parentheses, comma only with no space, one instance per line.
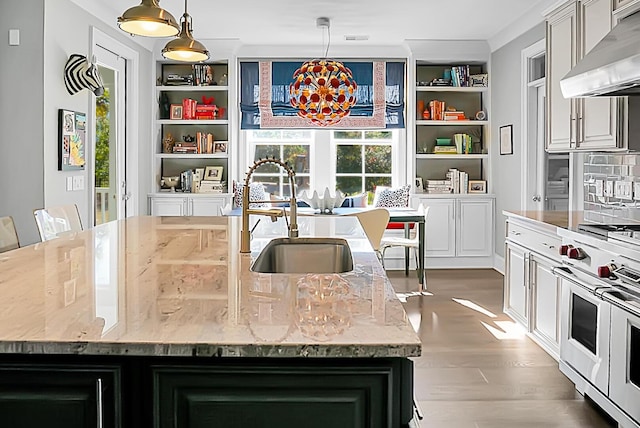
(288,22)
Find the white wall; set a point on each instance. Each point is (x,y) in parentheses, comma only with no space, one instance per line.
(67,31)
(506,173)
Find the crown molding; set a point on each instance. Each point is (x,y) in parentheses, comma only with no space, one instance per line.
(527,21)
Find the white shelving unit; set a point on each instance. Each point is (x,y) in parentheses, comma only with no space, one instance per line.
(162,201)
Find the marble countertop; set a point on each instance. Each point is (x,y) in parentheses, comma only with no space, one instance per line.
(554,219)
(178,286)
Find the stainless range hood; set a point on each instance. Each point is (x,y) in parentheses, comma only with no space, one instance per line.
(611,68)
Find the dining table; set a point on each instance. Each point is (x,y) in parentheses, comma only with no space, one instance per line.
(406,215)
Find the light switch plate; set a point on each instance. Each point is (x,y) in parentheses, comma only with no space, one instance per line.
(69,184)
(78,182)
(14,37)
(636,191)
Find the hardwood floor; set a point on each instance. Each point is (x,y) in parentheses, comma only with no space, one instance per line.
(478,369)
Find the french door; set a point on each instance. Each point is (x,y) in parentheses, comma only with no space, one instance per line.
(110,194)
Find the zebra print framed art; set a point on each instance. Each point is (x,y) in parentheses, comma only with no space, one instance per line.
(71,140)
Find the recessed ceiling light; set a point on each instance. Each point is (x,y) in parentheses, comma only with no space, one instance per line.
(355,37)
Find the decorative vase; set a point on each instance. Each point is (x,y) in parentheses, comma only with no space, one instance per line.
(326,203)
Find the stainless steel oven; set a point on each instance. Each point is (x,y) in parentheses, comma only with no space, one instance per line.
(624,382)
(584,331)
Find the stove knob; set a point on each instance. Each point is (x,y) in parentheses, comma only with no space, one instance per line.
(576,253)
(604,271)
(564,249)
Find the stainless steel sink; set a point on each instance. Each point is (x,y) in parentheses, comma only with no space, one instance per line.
(304,255)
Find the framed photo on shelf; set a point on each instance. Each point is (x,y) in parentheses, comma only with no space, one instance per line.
(213,173)
(419,185)
(477,186)
(71,140)
(220,148)
(176,112)
(506,140)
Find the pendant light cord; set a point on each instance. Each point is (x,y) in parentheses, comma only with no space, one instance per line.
(326,53)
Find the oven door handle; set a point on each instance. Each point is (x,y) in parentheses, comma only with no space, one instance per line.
(616,301)
(565,272)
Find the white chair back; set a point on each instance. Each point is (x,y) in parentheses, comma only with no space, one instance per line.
(374,222)
(55,221)
(8,235)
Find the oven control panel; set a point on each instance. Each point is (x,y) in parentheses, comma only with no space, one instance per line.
(628,275)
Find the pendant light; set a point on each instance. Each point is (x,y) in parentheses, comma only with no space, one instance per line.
(323,90)
(148,19)
(185,47)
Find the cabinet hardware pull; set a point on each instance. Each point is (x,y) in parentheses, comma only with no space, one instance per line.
(574,123)
(580,131)
(515,233)
(99,402)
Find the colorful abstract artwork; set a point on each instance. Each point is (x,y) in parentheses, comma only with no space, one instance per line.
(72,140)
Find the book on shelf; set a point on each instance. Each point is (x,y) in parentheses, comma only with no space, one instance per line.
(444,150)
(189,108)
(454,115)
(212,186)
(463,143)
(185,147)
(436,109)
(204,142)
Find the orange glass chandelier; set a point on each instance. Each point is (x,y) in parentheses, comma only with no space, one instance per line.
(323,90)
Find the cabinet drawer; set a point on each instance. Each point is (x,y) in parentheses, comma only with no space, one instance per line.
(543,243)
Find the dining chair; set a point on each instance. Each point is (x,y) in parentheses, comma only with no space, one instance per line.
(374,222)
(55,221)
(8,235)
(410,243)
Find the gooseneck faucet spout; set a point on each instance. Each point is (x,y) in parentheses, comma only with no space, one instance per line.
(245,233)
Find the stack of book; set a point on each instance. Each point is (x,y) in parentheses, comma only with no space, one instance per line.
(179,80)
(445,150)
(212,186)
(436,109)
(454,115)
(204,142)
(438,186)
(189,108)
(184,147)
(206,112)
(459,180)
(460,75)
(203,74)
(463,143)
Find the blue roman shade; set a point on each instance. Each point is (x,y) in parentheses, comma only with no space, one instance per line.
(268,106)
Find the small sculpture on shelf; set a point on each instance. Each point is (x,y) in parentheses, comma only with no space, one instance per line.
(168,143)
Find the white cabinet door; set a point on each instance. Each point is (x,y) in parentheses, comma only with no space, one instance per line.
(440,230)
(206,206)
(169,206)
(474,231)
(597,116)
(515,282)
(561,57)
(545,300)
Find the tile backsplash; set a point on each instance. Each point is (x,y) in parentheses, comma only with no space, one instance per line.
(612,187)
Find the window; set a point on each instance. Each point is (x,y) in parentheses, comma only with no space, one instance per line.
(291,146)
(363,160)
(352,161)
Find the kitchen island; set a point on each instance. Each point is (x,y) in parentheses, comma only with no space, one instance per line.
(159,321)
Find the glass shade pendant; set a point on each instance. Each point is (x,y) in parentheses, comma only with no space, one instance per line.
(185,47)
(323,90)
(148,19)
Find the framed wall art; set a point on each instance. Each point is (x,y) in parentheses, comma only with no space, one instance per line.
(72,131)
(506,140)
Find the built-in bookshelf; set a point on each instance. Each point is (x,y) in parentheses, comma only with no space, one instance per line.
(446,107)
